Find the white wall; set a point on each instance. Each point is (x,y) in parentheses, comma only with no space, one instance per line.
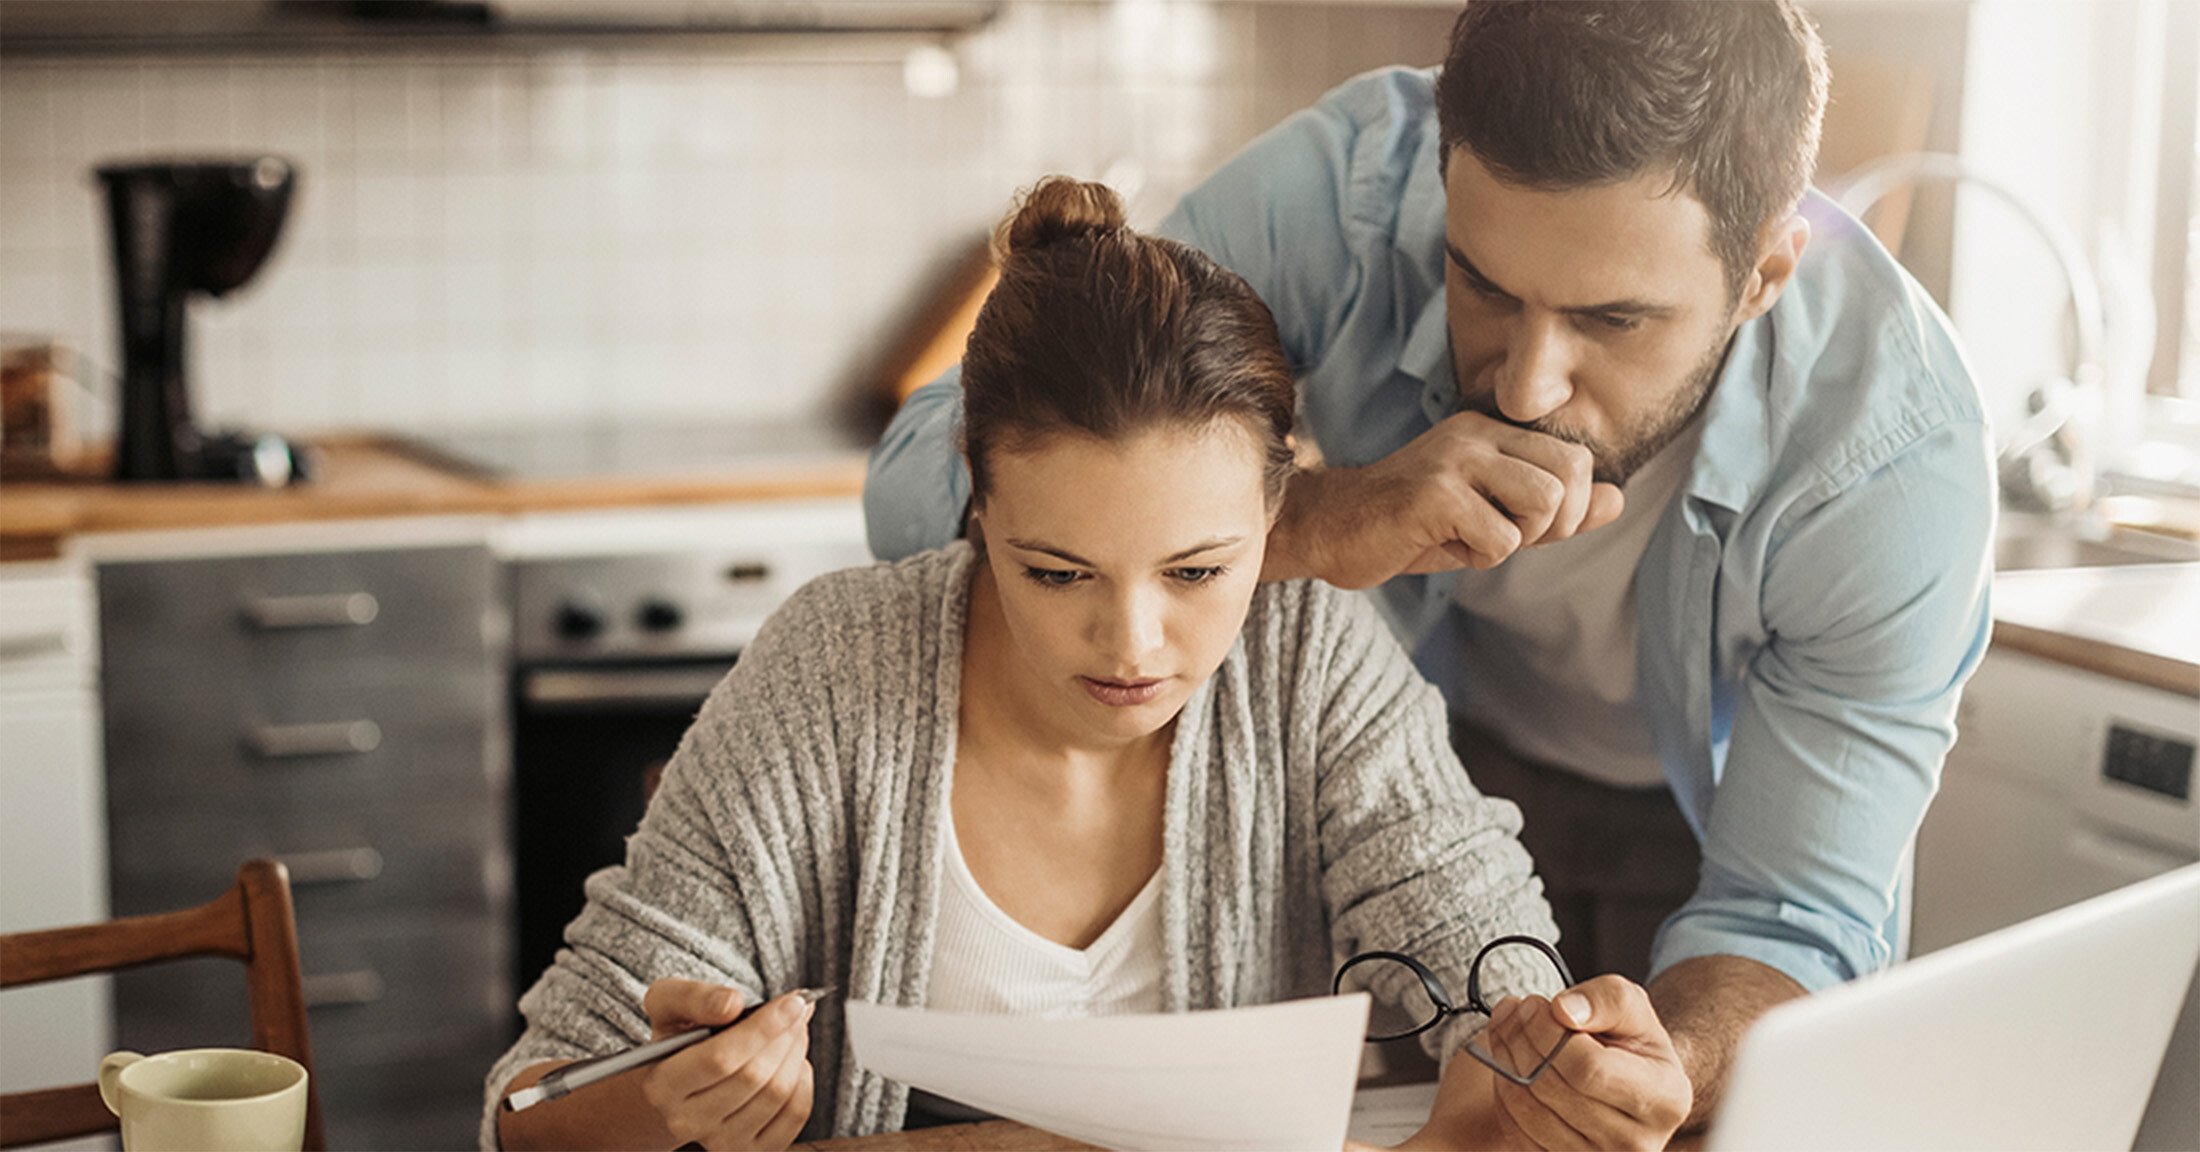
(2062,102)
(714,231)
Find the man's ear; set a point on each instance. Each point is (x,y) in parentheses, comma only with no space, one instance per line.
(1777,259)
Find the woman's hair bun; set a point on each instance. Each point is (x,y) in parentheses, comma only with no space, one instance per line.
(1056,209)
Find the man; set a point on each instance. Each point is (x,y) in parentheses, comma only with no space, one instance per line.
(1676,480)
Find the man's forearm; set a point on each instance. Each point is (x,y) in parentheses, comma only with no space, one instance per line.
(1292,536)
(1706,1004)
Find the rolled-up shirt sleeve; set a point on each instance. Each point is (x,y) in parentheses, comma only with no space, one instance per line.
(1876,603)
(916,487)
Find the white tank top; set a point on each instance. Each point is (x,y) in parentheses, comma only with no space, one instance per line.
(984,961)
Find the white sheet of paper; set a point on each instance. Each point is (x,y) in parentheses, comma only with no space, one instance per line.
(1272,1077)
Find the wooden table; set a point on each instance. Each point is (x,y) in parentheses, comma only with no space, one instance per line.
(1009,1136)
(985,1136)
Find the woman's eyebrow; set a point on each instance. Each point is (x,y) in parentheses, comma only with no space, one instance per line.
(1069,557)
(1209,546)
(1051,550)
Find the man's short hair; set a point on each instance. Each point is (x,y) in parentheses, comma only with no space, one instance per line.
(1726,95)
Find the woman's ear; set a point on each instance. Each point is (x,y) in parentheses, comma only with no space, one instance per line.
(970,512)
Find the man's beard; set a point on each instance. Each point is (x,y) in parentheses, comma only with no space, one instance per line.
(1616,462)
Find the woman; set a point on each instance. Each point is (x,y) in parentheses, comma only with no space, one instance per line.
(1082,763)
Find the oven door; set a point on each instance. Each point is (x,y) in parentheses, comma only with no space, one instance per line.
(589,742)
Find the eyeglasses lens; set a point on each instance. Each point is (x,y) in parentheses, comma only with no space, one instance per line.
(1401,1002)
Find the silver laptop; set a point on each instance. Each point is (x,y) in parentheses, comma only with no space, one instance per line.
(2046,1034)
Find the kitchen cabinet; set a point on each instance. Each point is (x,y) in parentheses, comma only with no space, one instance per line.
(53,843)
(339,710)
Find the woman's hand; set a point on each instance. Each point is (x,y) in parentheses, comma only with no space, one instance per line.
(747,1087)
(1620,1085)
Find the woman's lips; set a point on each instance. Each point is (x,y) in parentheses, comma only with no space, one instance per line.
(1121,693)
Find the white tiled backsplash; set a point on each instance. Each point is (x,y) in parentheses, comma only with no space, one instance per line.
(716,230)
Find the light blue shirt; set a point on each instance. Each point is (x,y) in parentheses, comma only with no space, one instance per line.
(1809,605)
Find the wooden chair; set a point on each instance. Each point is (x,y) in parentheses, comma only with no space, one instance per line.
(251,922)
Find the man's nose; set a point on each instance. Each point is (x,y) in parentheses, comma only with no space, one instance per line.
(1536,378)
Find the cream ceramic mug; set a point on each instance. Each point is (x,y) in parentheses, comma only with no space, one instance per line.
(203,1098)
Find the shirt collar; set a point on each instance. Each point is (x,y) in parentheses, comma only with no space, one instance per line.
(1427,357)
(1730,465)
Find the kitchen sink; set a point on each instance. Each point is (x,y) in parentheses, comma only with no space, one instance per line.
(2030,540)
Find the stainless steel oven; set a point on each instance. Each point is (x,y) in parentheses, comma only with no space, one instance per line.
(622,625)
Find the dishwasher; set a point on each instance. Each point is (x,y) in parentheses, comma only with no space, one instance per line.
(2073,773)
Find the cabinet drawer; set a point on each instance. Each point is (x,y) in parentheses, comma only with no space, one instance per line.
(410,1103)
(346,862)
(294,683)
(402,987)
(46,631)
(296,611)
(378,989)
(205,740)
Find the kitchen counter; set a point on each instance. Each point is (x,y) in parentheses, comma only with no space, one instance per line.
(364,476)
(2139,623)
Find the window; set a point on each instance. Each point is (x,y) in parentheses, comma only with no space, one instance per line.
(2177,240)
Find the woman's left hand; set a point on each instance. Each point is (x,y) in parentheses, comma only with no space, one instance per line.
(1618,1085)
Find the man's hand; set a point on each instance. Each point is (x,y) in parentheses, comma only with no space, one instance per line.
(1618,1085)
(1467,493)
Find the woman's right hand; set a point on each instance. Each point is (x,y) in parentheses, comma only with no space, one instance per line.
(747,1087)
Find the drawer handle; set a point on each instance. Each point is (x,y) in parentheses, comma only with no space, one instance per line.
(338,738)
(334,866)
(338,989)
(283,613)
(33,645)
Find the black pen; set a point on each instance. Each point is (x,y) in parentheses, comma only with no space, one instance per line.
(574,1077)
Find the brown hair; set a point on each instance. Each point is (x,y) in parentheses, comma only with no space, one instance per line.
(1726,94)
(1100,331)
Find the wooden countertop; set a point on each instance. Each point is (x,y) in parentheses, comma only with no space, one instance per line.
(366,476)
(2138,622)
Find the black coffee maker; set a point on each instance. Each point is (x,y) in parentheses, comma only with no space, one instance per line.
(179,228)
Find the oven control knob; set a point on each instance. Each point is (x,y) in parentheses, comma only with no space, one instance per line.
(659,615)
(579,621)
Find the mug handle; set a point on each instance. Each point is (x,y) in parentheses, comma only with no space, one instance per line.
(110,1078)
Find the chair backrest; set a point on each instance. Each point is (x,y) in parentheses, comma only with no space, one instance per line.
(251,922)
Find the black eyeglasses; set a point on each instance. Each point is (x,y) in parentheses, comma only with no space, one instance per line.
(1408,999)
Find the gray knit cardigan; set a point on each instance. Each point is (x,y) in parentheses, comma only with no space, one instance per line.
(1314,808)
